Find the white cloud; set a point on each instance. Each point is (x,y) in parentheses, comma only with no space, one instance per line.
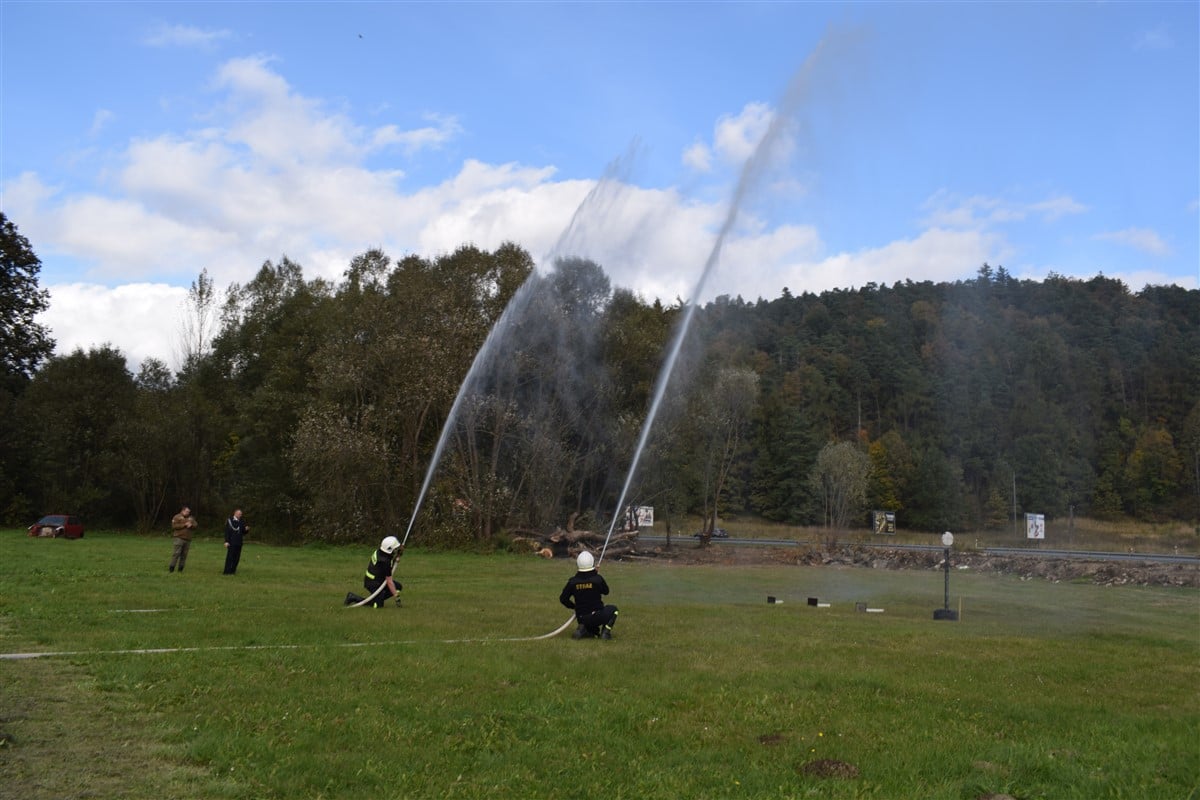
(142,320)
(280,128)
(1053,208)
(1140,279)
(275,173)
(946,209)
(736,137)
(184,36)
(698,157)
(100,121)
(760,263)
(533,215)
(124,239)
(444,129)
(23,195)
(1142,239)
(1134,279)
(936,254)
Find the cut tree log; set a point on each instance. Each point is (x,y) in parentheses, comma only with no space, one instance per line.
(614,549)
(570,542)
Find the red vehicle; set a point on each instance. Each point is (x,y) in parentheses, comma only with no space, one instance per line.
(63,526)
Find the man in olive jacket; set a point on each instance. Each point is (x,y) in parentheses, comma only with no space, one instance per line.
(182,525)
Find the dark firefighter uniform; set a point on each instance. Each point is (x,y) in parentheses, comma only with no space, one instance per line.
(584,593)
(378,569)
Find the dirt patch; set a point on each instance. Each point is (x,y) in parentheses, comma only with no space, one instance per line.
(1099,571)
(829,768)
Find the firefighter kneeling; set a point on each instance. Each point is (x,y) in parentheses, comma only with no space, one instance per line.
(378,580)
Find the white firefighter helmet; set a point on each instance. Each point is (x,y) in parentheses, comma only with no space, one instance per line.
(585,561)
(390,545)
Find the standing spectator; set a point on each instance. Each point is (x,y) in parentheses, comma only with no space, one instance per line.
(584,594)
(182,525)
(235,534)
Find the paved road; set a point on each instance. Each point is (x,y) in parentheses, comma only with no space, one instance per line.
(1040,552)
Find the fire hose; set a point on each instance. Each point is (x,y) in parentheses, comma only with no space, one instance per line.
(368,599)
(549,635)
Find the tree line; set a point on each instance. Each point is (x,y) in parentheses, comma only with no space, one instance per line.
(320,406)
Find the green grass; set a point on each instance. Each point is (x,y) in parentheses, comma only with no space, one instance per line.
(1041,690)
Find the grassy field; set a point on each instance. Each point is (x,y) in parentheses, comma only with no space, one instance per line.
(265,687)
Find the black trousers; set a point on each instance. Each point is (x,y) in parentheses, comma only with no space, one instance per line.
(596,619)
(384,595)
(233,554)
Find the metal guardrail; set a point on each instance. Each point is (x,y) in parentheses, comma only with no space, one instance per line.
(1094,555)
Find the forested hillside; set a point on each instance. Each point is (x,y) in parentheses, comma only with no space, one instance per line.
(318,406)
(1082,392)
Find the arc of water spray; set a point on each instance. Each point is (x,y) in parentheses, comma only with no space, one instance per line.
(476,364)
(604,196)
(752,172)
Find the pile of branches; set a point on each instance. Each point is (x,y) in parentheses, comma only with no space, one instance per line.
(570,542)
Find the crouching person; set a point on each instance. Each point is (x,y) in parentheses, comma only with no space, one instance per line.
(378,580)
(583,594)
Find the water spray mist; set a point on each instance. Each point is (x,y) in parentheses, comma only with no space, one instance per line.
(769,150)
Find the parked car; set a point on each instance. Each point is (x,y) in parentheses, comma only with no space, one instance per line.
(718,533)
(66,526)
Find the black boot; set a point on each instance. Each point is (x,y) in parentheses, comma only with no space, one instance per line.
(580,633)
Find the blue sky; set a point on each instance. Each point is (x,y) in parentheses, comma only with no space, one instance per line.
(143,142)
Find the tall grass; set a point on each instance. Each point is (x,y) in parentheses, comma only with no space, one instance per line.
(1040,691)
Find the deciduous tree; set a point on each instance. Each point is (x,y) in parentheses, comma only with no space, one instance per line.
(841,475)
(24,342)
(74,409)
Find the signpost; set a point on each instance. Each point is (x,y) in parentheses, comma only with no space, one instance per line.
(945,612)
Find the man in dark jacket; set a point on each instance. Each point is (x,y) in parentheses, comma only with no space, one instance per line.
(583,593)
(235,534)
(378,580)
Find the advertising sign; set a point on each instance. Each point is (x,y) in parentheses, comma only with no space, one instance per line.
(1035,526)
(883,521)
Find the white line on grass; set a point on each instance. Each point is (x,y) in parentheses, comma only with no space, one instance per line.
(230,647)
(222,609)
(145,610)
(158,650)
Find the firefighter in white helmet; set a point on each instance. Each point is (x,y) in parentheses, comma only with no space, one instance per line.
(378,580)
(583,593)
